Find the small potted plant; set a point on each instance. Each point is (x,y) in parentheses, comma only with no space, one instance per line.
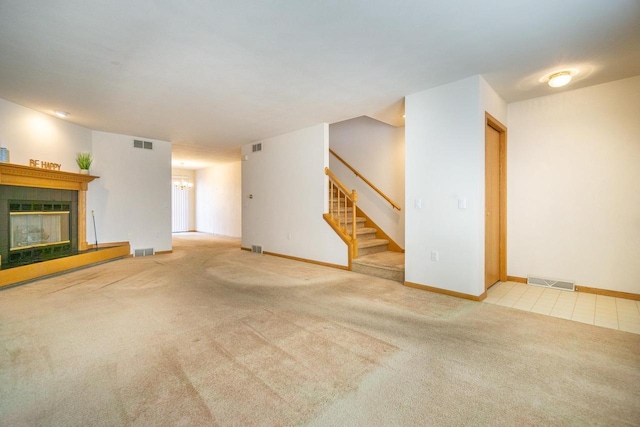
(84,161)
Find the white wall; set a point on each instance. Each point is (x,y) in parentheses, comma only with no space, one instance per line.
(574,186)
(290,194)
(444,131)
(219,199)
(376,150)
(132,197)
(29,134)
(190,175)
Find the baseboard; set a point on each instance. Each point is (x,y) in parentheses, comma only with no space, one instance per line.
(245,249)
(310,261)
(446,291)
(170,251)
(607,292)
(588,290)
(295,258)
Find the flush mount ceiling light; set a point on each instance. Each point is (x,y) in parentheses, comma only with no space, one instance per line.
(61,114)
(560,79)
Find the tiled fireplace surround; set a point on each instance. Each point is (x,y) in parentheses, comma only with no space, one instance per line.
(10,193)
(24,183)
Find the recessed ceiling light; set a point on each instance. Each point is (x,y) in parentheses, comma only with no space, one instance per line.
(560,78)
(62,114)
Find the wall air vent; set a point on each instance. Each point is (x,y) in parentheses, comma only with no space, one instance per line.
(142,144)
(143,252)
(257,147)
(256,249)
(550,283)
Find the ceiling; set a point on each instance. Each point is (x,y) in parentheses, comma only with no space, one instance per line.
(210,76)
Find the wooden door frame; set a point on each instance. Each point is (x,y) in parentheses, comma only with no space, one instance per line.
(502,130)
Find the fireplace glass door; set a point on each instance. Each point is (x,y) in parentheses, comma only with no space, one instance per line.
(38,231)
(31,229)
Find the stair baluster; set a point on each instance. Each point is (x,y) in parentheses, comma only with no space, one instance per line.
(340,200)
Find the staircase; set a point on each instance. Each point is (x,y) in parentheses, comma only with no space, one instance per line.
(374,257)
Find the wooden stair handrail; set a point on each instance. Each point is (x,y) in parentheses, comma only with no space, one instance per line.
(336,181)
(359,175)
(335,217)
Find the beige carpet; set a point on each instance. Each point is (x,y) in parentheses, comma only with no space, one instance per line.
(212,335)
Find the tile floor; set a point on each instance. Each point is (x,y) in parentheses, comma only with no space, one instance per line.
(599,310)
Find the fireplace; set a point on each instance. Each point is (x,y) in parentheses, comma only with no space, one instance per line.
(43,219)
(37,224)
(42,216)
(38,231)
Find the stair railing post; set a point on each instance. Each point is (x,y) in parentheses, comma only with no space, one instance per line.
(354,235)
(339,219)
(331,198)
(346,214)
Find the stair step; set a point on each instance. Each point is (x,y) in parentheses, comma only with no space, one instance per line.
(366,233)
(386,265)
(335,209)
(372,242)
(372,246)
(335,199)
(359,220)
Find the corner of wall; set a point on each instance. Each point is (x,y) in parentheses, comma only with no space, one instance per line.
(283,197)
(444,163)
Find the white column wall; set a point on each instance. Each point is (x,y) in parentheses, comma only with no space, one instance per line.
(377,151)
(289,189)
(444,131)
(574,186)
(219,199)
(132,197)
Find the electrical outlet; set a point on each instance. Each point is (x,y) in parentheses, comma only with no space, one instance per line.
(435,256)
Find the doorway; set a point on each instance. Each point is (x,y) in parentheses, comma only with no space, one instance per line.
(495,242)
(180,207)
